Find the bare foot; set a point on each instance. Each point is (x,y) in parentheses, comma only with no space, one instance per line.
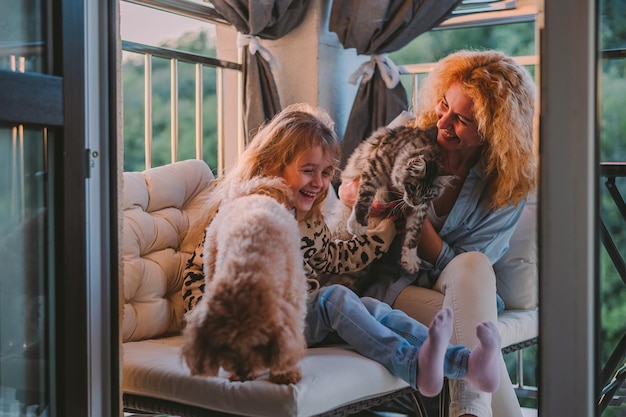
(483,364)
(432,353)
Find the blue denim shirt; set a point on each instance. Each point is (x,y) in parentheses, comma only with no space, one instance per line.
(470,226)
(473,226)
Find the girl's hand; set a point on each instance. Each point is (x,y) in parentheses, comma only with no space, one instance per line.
(385,229)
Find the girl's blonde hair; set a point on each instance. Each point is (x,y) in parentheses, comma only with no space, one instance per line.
(296,129)
(503,93)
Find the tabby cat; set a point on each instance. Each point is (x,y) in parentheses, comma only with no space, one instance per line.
(398,166)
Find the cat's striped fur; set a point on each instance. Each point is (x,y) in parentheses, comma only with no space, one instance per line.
(400,166)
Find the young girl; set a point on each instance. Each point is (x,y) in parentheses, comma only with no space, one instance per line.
(300,146)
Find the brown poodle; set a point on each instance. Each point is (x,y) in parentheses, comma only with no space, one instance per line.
(251,316)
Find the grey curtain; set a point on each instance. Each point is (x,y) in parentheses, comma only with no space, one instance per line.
(377,27)
(254,19)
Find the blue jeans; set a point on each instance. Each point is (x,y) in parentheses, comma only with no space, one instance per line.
(376,331)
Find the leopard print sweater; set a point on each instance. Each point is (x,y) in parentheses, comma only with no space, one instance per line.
(322,255)
(325,255)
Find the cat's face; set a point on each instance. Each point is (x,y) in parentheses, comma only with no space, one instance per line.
(422,181)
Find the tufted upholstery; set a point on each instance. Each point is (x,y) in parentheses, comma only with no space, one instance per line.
(154,249)
(159,206)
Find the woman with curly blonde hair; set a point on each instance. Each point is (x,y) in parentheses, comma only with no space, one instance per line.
(482,103)
(503,97)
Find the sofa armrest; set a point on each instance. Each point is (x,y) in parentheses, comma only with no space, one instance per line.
(517,276)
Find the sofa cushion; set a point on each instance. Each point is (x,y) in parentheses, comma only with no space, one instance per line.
(517,276)
(158,204)
(331,377)
(517,326)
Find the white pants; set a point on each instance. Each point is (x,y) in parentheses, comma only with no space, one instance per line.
(468,286)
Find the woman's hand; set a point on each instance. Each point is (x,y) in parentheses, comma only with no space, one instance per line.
(348,192)
(400,223)
(430,243)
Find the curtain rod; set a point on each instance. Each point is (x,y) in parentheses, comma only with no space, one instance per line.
(185,8)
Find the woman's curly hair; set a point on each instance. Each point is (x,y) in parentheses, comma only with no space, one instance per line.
(503,94)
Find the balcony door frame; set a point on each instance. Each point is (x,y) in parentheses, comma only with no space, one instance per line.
(76,100)
(568,220)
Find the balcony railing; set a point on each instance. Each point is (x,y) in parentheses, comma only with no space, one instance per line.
(175,57)
(208,97)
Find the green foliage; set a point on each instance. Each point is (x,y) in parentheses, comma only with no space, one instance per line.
(134,113)
(529,370)
(612,87)
(513,39)
(612,144)
(612,295)
(613,29)
(516,39)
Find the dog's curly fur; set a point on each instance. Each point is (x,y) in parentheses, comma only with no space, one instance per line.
(251,316)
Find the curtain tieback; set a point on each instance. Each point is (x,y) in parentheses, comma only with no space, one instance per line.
(389,71)
(254,46)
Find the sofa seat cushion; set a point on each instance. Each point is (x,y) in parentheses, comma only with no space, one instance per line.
(517,326)
(332,377)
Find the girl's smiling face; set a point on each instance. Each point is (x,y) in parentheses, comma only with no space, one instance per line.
(308,175)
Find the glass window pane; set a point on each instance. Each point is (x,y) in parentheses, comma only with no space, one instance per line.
(22,45)
(611,25)
(24,298)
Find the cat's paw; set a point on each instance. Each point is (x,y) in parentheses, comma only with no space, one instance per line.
(410,261)
(355,227)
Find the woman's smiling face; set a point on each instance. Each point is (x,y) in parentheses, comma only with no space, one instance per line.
(308,175)
(458,130)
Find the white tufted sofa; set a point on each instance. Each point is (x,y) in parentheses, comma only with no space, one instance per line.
(159,205)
